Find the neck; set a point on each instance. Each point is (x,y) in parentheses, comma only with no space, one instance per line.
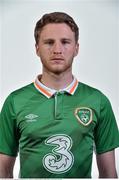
(56,81)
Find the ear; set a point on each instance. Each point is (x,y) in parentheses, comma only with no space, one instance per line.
(76,49)
(37,49)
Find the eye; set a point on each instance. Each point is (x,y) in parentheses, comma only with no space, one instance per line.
(65,42)
(49,42)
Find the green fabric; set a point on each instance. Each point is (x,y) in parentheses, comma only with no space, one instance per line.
(55,137)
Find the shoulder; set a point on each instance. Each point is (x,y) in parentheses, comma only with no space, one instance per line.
(25,91)
(87,91)
(21,95)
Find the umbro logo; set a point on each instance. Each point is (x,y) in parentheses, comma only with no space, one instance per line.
(31,117)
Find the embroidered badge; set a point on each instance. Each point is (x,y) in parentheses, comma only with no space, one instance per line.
(84,115)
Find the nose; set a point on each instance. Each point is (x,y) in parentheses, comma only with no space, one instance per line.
(57,48)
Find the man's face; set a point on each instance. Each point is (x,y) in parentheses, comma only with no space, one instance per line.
(57,48)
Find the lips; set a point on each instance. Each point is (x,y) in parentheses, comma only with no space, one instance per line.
(57,60)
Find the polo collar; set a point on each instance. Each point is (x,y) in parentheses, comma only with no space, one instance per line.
(48,92)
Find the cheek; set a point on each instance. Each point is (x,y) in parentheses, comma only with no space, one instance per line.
(43,53)
(70,52)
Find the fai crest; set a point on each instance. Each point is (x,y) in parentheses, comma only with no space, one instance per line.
(84,115)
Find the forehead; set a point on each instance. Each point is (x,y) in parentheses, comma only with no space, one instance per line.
(56,30)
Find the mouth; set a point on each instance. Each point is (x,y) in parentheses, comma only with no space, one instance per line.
(57,60)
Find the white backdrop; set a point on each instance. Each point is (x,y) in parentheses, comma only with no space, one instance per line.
(97,63)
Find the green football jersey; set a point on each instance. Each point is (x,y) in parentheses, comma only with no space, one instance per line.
(55,132)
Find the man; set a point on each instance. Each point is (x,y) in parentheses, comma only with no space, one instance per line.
(54,122)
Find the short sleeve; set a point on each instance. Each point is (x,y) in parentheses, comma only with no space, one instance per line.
(106,132)
(8,130)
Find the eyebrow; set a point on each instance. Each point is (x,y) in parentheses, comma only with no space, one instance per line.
(62,39)
(66,39)
(49,39)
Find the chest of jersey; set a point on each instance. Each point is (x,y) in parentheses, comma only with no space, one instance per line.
(53,132)
(61,113)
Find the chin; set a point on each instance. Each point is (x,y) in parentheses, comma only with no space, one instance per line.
(57,72)
(58,69)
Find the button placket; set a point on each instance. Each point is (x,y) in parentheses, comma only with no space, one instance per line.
(58,105)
